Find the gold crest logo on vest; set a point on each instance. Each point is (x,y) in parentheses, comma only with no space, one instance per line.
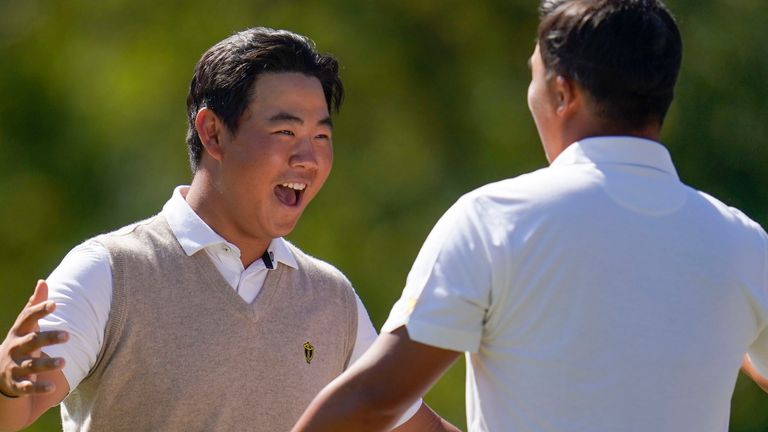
(309,352)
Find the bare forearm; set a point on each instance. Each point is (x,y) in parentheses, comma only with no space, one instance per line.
(14,413)
(378,389)
(352,413)
(341,409)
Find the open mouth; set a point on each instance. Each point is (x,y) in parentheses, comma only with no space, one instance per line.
(290,193)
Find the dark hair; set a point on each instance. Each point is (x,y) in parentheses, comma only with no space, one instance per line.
(626,54)
(225,75)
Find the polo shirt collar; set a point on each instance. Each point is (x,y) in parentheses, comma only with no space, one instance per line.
(623,150)
(194,234)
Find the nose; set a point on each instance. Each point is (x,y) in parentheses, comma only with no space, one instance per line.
(304,154)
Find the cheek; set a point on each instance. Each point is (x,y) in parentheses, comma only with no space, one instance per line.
(539,102)
(530,97)
(535,103)
(324,156)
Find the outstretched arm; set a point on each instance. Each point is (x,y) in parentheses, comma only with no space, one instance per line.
(30,381)
(426,420)
(379,387)
(749,369)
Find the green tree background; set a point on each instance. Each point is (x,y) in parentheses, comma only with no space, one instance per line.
(92,123)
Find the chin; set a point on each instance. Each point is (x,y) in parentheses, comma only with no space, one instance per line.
(283,230)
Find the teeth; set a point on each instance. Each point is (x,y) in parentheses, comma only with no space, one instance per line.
(295,186)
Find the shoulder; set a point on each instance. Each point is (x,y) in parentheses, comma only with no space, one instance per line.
(733,216)
(510,197)
(85,269)
(88,251)
(133,229)
(522,183)
(137,236)
(545,185)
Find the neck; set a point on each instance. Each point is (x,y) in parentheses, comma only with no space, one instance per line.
(209,205)
(586,128)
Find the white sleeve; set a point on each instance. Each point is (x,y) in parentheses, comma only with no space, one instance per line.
(758,351)
(448,290)
(366,334)
(81,286)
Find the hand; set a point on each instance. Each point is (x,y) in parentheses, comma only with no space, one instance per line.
(20,357)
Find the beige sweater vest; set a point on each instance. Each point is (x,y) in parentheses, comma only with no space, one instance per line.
(183,352)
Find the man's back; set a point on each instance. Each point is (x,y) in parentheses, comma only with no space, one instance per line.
(619,299)
(599,294)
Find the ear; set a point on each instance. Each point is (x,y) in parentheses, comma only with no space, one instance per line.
(567,96)
(211,131)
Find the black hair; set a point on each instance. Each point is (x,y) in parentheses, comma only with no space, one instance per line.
(626,54)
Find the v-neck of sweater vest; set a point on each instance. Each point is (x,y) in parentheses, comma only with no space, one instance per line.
(253,311)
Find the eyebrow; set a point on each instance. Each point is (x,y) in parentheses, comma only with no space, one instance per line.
(288,117)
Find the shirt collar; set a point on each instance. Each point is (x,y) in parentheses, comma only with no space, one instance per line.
(623,150)
(194,234)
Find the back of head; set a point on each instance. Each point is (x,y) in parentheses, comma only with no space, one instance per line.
(226,74)
(625,54)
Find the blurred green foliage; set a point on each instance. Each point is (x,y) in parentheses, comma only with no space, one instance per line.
(92,123)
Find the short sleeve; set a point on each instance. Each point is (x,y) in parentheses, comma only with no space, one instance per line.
(447,292)
(758,351)
(81,286)
(366,333)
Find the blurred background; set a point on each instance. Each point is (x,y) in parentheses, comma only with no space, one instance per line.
(92,124)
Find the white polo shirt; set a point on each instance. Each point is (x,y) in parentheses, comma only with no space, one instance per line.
(598,294)
(81,286)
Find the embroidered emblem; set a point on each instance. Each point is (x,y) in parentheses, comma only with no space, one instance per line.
(309,351)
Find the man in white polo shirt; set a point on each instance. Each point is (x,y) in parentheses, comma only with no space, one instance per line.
(203,317)
(599,294)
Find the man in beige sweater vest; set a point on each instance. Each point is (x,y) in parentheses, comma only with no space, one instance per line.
(203,317)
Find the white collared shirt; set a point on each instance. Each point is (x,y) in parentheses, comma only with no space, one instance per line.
(194,234)
(597,294)
(81,286)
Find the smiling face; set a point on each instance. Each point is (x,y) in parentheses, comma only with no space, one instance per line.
(262,177)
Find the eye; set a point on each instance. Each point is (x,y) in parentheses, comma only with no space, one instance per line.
(323,136)
(284,132)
